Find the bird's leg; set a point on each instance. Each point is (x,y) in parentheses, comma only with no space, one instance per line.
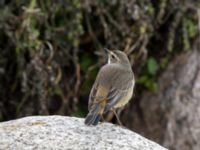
(118,120)
(102,118)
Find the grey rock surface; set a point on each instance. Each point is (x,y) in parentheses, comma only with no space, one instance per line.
(68,133)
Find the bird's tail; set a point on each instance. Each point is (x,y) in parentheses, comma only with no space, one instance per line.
(94,115)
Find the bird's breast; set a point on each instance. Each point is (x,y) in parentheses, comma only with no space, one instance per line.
(125,99)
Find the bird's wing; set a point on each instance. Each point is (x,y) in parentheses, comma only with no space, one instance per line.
(111,85)
(100,88)
(117,93)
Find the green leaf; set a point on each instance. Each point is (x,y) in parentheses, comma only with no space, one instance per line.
(191,27)
(85,62)
(148,83)
(151,85)
(152,65)
(143,79)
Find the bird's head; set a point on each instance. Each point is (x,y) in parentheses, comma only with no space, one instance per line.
(117,56)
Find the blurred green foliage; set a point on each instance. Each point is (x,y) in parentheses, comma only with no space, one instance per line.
(148,78)
(152,65)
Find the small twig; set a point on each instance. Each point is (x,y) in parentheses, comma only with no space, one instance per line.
(161,13)
(136,44)
(59,75)
(105,25)
(90,30)
(127,47)
(78,79)
(51,52)
(172,29)
(198,43)
(31,10)
(112,21)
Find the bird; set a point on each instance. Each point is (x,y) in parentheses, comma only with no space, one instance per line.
(113,87)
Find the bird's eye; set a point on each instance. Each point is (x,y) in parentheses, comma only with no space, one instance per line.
(112,56)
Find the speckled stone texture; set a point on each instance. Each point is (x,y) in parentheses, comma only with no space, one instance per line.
(68,133)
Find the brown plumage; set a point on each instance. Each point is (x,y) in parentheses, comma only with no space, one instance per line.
(113,87)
